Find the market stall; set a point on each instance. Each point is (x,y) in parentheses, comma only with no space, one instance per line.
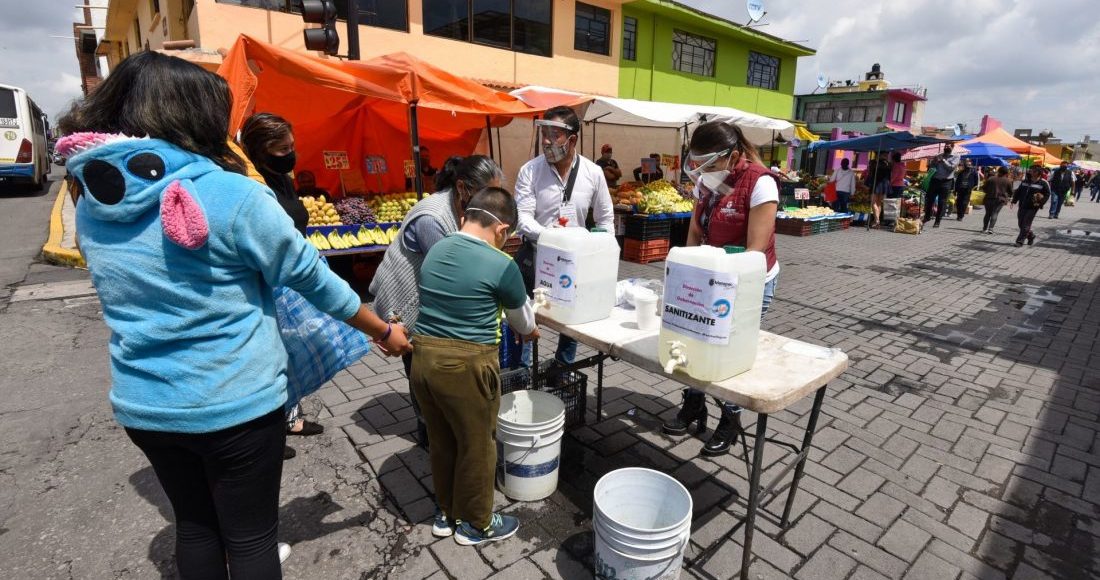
(1028,153)
(653,217)
(362,129)
(908,206)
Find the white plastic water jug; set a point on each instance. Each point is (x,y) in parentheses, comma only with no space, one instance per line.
(710,316)
(578,270)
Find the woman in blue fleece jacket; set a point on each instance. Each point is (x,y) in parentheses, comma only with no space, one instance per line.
(183,251)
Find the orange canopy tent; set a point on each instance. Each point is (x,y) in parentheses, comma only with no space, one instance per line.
(346,111)
(1003,138)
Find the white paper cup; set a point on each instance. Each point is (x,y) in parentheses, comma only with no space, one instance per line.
(645,306)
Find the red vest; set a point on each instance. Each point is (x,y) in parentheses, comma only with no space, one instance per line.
(729,216)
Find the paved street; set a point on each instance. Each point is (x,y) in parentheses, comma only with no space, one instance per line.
(961,443)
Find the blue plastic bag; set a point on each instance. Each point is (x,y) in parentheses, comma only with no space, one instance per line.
(317,345)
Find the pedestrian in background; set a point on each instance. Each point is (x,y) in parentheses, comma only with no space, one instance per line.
(965,182)
(998,191)
(1094,185)
(897,175)
(1079,181)
(942,167)
(1032,195)
(1061,184)
(183,250)
(845,180)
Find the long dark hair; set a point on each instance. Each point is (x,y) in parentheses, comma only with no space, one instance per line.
(474,171)
(259,133)
(160,96)
(717,136)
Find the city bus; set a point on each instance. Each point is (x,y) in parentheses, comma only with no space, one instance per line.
(24,152)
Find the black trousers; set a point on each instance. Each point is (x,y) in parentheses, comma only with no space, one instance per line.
(224,490)
(991,213)
(937,195)
(962,201)
(1026,217)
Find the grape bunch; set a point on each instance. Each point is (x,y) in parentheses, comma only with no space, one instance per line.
(355,210)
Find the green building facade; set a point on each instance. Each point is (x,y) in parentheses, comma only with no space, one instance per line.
(673,53)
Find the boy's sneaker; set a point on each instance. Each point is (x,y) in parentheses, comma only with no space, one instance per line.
(284,552)
(500,527)
(441,526)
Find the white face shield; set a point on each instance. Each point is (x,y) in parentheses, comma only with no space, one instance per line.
(697,165)
(553,138)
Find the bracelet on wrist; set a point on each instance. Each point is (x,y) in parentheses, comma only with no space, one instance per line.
(385,335)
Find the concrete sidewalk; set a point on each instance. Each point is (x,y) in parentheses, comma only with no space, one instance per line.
(961,443)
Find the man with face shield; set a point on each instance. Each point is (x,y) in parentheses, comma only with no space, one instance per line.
(556,189)
(736,202)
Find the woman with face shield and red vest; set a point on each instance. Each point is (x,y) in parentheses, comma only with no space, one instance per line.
(737,199)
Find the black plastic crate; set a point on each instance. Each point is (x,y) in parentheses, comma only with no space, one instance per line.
(569,386)
(640,228)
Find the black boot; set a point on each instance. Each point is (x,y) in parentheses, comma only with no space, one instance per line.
(693,409)
(725,434)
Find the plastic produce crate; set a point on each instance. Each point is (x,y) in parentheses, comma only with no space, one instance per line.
(642,228)
(569,386)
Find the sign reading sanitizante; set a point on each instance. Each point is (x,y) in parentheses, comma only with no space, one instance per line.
(557,273)
(699,303)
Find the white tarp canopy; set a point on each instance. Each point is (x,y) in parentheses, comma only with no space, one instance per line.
(758,129)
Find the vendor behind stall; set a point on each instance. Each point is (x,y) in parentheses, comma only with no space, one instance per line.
(649,172)
(427,172)
(307,185)
(611,171)
(737,201)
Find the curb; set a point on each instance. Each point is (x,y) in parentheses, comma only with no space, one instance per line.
(52,251)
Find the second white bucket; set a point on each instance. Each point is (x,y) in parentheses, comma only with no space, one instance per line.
(642,523)
(530,426)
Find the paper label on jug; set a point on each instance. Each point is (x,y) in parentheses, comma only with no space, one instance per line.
(699,303)
(556,271)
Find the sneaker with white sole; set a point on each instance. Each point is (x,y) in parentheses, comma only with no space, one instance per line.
(441,526)
(500,527)
(284,552)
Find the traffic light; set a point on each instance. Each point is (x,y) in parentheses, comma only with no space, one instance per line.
(324,39)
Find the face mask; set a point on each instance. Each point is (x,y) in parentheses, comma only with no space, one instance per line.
(555,152)
(708,181)
(496,219)
(282,163)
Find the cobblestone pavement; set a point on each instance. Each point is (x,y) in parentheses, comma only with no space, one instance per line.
(961,443)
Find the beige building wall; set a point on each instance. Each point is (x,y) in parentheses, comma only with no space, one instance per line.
(215,25)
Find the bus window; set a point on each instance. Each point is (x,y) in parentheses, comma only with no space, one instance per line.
(8,110)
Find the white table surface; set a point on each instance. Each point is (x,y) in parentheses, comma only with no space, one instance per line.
(785,370)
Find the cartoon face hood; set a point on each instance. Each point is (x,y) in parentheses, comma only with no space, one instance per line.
(120,178)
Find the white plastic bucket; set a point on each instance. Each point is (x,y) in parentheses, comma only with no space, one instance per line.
(530,426)
(642,523)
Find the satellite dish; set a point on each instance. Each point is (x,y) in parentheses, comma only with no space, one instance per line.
(956,130)
(822,81)
(755,9)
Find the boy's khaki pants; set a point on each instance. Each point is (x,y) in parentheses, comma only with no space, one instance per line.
(457,384)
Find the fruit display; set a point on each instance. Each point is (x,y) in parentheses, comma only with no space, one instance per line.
(321,212)
(808,212)
(627,194)
(355,211)
(662,197)
(364,236)
(392,207)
